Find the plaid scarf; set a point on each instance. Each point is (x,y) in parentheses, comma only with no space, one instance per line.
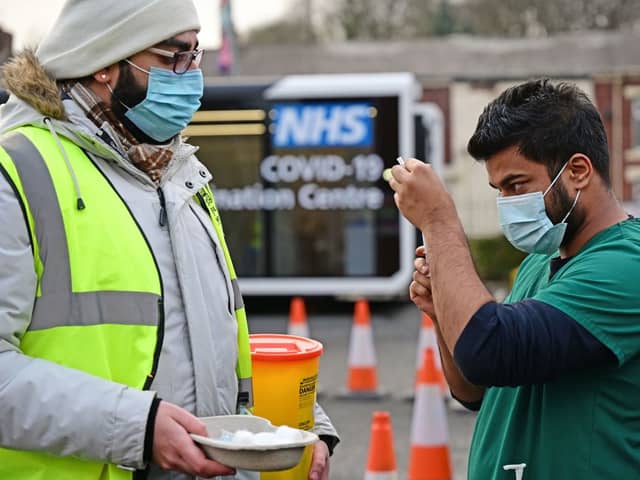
(151,159)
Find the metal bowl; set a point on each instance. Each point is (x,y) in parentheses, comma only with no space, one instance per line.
(261,458)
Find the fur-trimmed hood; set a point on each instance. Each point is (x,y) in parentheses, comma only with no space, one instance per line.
(35,97)
(36,100)
(25,78)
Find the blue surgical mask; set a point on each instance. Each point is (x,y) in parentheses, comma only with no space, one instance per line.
(171,101)
(524,221)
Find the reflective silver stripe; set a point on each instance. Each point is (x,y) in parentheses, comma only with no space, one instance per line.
(237,296)
(43,203)
(58,306)
(93,308)
(245,385)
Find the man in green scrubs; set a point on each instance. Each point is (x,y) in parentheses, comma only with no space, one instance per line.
(555,370)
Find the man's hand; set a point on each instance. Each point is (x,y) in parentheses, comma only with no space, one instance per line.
(174,449)
(319,462)
(420,195)
(420,288)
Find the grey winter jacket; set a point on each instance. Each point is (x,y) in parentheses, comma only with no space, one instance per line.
(47,407)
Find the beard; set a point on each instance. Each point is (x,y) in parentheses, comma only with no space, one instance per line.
(130,93)
(561,204)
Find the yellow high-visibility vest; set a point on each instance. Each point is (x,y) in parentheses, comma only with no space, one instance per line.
(99,305)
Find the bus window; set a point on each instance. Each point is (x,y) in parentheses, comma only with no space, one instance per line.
(297,176)
(231,145)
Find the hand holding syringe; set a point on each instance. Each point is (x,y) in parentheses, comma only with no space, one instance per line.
(386,175)
(420,288)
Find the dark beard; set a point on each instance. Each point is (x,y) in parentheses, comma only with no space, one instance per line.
(561,203)
(128,92)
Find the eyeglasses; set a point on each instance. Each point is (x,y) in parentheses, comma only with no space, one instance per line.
(181,60)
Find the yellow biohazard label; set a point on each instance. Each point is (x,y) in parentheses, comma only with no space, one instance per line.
(306,399)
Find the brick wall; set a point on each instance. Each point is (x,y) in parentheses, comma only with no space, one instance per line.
(440,96)
(615,108)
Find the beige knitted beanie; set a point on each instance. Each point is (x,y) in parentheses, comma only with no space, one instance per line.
(89,35)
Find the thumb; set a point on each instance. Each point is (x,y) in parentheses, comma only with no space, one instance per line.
(189,422)
(319,460)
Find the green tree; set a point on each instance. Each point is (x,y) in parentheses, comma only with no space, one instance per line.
(280,32)
(542,17)
(444,22)
(312,20)
(364,19)
(296,27)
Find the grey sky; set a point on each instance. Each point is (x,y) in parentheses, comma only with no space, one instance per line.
(28,20)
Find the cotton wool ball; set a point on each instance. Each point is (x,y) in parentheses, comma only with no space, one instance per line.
(243,437)
(285,434)
(264,438)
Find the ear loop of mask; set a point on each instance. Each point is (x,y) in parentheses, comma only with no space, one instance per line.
(575,201)
(572,207)
(550,185)
(556,179)
(111,90)
(116,97)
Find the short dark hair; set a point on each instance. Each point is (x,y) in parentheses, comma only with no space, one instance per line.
(547,122)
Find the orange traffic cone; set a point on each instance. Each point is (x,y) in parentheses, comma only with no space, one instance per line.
(362,381)
(429,457)
(427,339)
(381,464)
(299,327)
(298,318)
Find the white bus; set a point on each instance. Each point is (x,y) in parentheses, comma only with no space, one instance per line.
(297,172)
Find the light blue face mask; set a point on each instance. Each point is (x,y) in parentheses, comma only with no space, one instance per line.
(524,221)
(171,101)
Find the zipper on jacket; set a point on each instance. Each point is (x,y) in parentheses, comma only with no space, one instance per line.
(156,353)
(201,201)
(160,334)
(162,220)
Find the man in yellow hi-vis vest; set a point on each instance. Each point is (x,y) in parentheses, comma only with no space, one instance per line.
(121,320)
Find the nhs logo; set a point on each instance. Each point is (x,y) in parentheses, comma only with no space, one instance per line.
(322,125)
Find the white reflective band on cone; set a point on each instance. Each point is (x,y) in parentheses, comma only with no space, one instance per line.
(429,410)
(299,330)
(381,476)
(427,339)
(361,351)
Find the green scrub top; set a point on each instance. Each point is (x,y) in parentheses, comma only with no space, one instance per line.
(584,425)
